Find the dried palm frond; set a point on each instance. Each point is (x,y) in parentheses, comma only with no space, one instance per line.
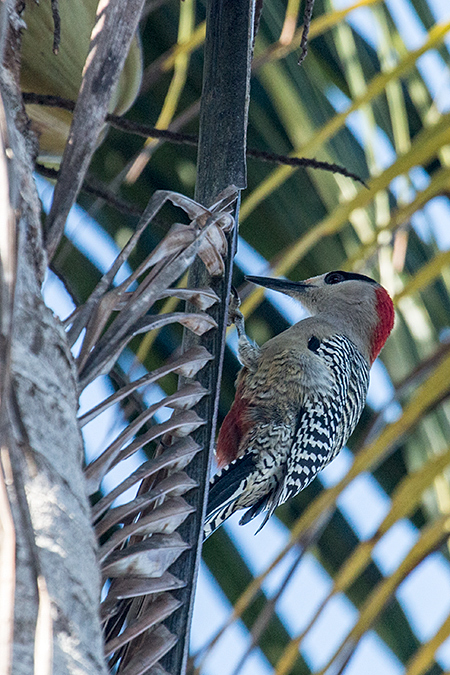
(138,538)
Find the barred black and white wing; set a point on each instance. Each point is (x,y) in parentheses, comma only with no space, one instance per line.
(325,423)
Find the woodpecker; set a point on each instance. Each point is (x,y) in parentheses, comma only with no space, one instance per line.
(299,396)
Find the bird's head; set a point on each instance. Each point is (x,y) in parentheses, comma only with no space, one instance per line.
(354,303)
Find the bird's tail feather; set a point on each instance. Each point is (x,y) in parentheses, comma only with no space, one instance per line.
(225,489)
(218,517)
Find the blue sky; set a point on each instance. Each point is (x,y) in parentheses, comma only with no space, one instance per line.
(425,594)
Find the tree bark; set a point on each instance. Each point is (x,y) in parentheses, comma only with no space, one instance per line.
(56,625)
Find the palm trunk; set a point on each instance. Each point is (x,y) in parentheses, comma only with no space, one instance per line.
(49,569)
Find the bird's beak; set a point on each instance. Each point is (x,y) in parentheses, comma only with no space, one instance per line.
(282,285)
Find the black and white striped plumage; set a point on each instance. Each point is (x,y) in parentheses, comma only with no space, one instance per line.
(325,423)
(299,396)
(284,456)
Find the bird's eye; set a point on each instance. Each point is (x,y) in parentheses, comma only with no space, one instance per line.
(334,278)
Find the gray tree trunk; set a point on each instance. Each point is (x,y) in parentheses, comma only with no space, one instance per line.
(55,579)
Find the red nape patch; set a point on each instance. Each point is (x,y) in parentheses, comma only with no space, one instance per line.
(234,427)
(385,311)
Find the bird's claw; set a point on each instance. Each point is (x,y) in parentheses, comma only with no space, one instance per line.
(234,314)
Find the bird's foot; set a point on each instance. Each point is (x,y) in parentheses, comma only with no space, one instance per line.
(235,316)
(248,351)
